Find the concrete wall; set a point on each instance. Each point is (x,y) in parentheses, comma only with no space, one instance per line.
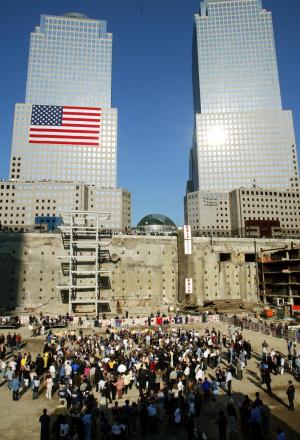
(146,276)
(29,271)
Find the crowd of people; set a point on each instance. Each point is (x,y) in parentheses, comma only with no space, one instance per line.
(177,374)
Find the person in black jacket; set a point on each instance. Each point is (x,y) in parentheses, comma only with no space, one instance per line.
(222,424)
(291,395)
(39,362)
(45,423)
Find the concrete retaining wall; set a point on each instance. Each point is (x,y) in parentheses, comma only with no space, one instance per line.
(145,278)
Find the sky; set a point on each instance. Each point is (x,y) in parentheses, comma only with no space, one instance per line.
(151,85)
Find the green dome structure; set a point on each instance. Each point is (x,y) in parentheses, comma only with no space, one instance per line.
(156,224)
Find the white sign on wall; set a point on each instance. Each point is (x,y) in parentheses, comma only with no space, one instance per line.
(189,285)
(188,247)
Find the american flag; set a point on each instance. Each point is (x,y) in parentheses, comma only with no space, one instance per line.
(65,125)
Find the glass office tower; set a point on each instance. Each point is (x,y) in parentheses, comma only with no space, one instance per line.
(69,67)
(242,137)
(70,62)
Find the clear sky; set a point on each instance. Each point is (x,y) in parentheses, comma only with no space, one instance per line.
(151,87)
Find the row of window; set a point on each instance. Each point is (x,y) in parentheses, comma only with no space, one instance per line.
(271,193)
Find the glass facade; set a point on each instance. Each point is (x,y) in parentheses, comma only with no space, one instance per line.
(242,136)
(236,57)
(69,64)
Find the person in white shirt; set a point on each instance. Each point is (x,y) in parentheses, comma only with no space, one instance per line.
(173,376)
(186,372)
(2,369)
(180,385)
(281,364)
(264,352)
(199,373)
(52,371)
(13,365)
(49,385)
(206,353)
(101,384)
(68,371)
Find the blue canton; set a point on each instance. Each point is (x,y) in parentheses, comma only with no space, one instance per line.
(46,115)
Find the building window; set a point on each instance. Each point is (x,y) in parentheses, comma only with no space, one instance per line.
(249,258)
(225,256)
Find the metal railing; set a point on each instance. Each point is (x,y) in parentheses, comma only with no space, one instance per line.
(278,331)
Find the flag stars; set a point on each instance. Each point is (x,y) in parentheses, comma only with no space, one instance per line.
(46,115)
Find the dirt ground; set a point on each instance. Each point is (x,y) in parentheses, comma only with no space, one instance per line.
(19,420)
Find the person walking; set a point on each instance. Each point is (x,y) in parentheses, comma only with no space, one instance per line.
(206,386)
(177,417)
(245,411)
(49,385)
(119,387)
(239,369)
(222,425)
(265,413)
(282,363)
(117,430)
(35,385)
(45,424)
(87,421)
(255,421)
(232,418)
(9,377)
(289,346)
(152,416)
(280,434)
(228,381)
(268,381)
(291,395)
(15,387)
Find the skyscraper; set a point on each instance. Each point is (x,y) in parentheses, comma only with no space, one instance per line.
(69,70)
(242,133)
(242,136)
(66,131)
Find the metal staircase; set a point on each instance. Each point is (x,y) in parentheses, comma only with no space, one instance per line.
(82,265)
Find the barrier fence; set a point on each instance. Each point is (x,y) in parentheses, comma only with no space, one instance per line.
(155,321)
(278,331)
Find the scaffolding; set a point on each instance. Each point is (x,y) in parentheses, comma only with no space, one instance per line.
(81,233)
(279,274)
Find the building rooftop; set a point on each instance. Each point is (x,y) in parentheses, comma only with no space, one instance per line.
(156,219)
(75,15)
